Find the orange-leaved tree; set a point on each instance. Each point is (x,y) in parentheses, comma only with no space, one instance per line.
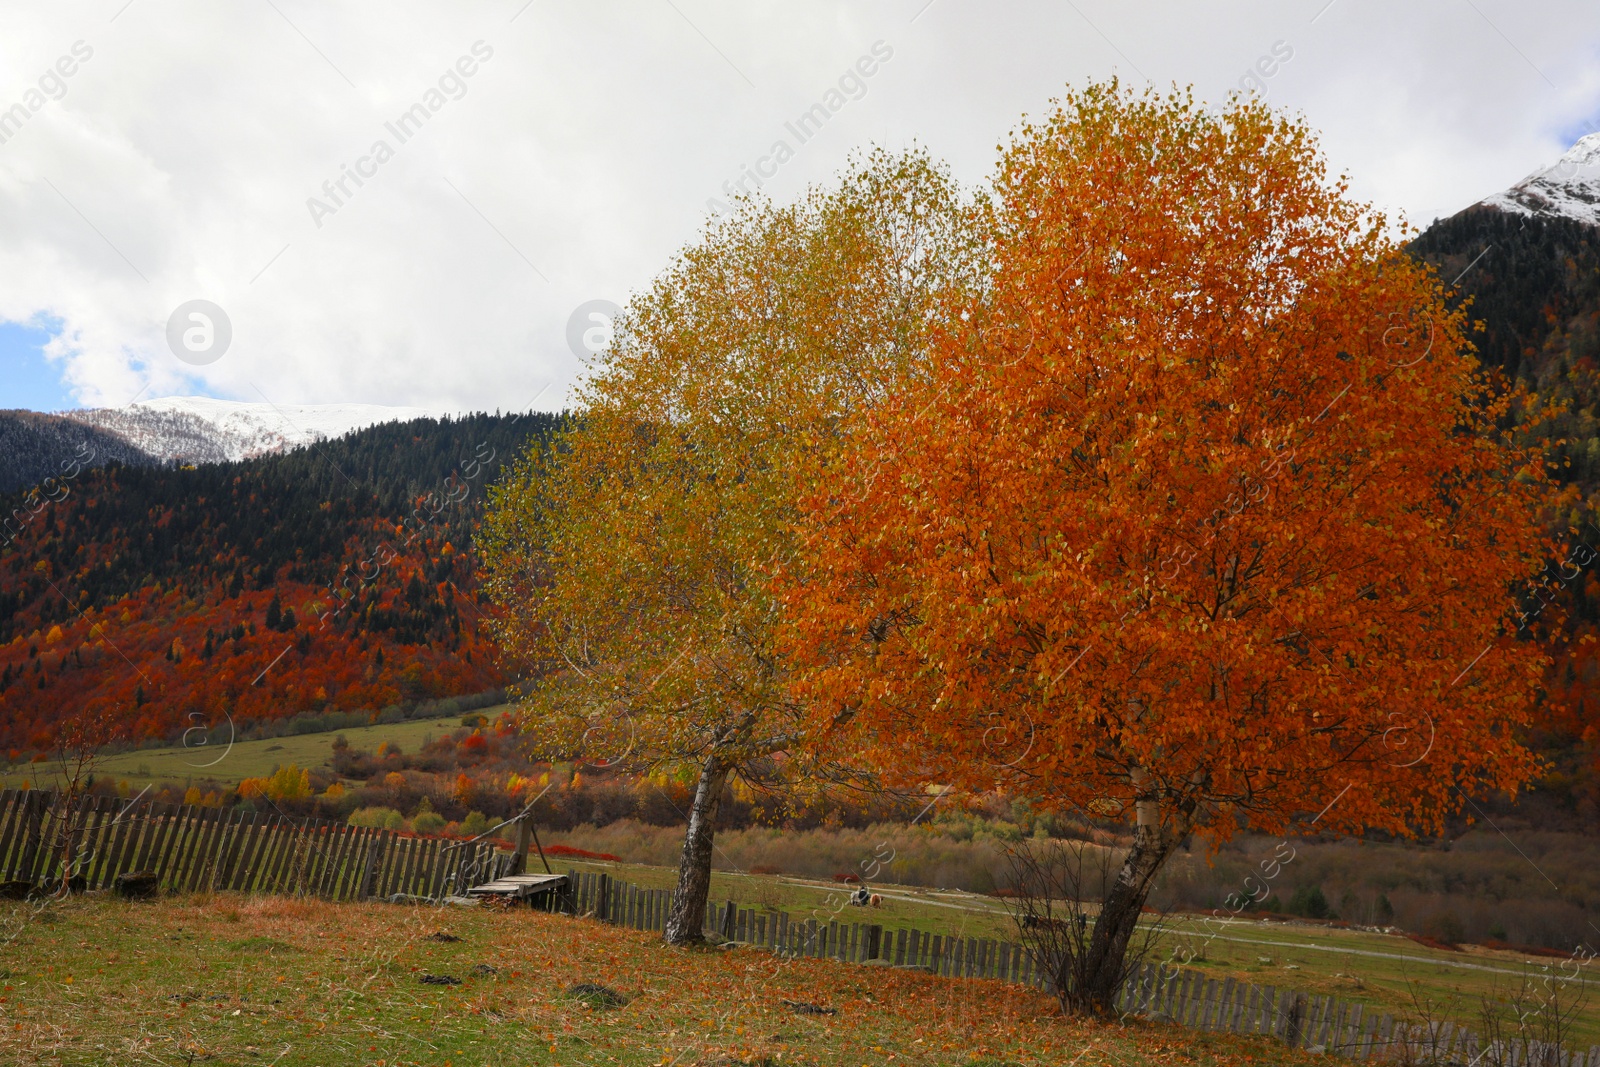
(631,557)
(1197,516)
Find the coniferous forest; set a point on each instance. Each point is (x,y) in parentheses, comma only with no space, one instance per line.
(1534,286)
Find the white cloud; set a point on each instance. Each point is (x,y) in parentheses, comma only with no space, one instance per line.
(179,162)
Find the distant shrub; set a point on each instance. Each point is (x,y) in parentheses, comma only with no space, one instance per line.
(474,824)
(374,818)
(1445,925)
(286,783)
(766,868)
(429,822)
(1310,902)
(846,876)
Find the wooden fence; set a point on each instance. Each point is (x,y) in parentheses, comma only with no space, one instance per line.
(1189,998)
(45,839)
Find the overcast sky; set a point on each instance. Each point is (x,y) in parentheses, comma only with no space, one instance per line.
(178,159)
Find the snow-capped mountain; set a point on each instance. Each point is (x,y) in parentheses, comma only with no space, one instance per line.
(1569,189)
(197,429)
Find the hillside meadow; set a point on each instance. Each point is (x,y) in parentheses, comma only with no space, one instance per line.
(235,980)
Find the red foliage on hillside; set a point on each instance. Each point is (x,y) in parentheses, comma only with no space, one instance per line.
(170,599)
(163,662)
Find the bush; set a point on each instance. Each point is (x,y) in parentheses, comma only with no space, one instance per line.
(428,822)
(374,818)
(474,824)
(1445,925)
(286,783)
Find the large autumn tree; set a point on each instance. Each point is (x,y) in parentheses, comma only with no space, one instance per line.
(1196,516)
(632,557)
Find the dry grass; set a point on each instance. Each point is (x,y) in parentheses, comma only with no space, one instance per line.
(234,980)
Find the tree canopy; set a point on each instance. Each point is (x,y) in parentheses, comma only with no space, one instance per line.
(633,556)
(1198,513)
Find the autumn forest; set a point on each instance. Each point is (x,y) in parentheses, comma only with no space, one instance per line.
(334,577)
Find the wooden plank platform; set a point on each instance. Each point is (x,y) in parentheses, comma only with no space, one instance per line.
(519,886)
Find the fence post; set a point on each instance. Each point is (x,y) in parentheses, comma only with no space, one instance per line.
(729,916)
(519,860)
(368,869)
(567,898)
(33,813)
(1293,1019)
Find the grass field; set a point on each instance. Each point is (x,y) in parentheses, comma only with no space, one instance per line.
(1380,970)
(234,980)
(244,759)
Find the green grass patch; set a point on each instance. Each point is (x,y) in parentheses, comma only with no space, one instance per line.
(261,944)
(228,765)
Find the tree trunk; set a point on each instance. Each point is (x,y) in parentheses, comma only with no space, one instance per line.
(1105,964)
(686,924)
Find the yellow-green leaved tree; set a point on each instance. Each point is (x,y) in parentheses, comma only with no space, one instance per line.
(631,556)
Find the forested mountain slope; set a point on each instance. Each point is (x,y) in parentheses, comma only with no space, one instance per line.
(1533,283)
(340,574)
(35,447)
